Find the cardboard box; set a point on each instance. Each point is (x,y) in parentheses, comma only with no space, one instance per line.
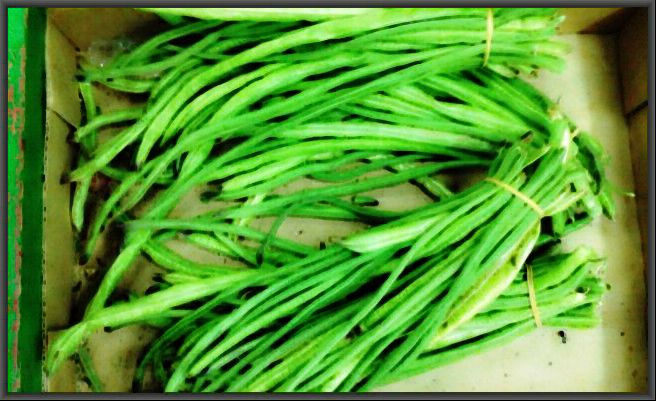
(596,91)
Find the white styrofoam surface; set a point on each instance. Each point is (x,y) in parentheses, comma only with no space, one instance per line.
(612,357)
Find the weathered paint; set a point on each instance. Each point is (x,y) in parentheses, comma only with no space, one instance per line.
(25,97)
(16,123)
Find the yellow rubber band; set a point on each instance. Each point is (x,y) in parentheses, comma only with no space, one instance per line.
(530,202)
(531,296)
(488,37)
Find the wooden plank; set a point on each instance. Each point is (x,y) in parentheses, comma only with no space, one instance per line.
(61,85)
(15,162)
(58,239)
(638,138)
(633,56)
(100,24)
(592,20)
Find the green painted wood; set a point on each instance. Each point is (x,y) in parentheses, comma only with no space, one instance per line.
(26,112)
(15,122)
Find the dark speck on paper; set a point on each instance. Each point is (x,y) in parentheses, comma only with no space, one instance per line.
(563,336)
(622,333)
(550,363)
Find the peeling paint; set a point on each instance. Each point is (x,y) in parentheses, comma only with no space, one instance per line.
(21,79)
(18,214)
(16,124)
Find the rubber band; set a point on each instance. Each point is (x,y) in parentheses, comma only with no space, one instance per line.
(488,36)
(531,296)
(530,202)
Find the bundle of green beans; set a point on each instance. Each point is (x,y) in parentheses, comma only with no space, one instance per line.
(457,273)
(235,104)
(249,100)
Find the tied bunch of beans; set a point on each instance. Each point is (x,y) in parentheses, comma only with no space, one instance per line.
(246,101)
